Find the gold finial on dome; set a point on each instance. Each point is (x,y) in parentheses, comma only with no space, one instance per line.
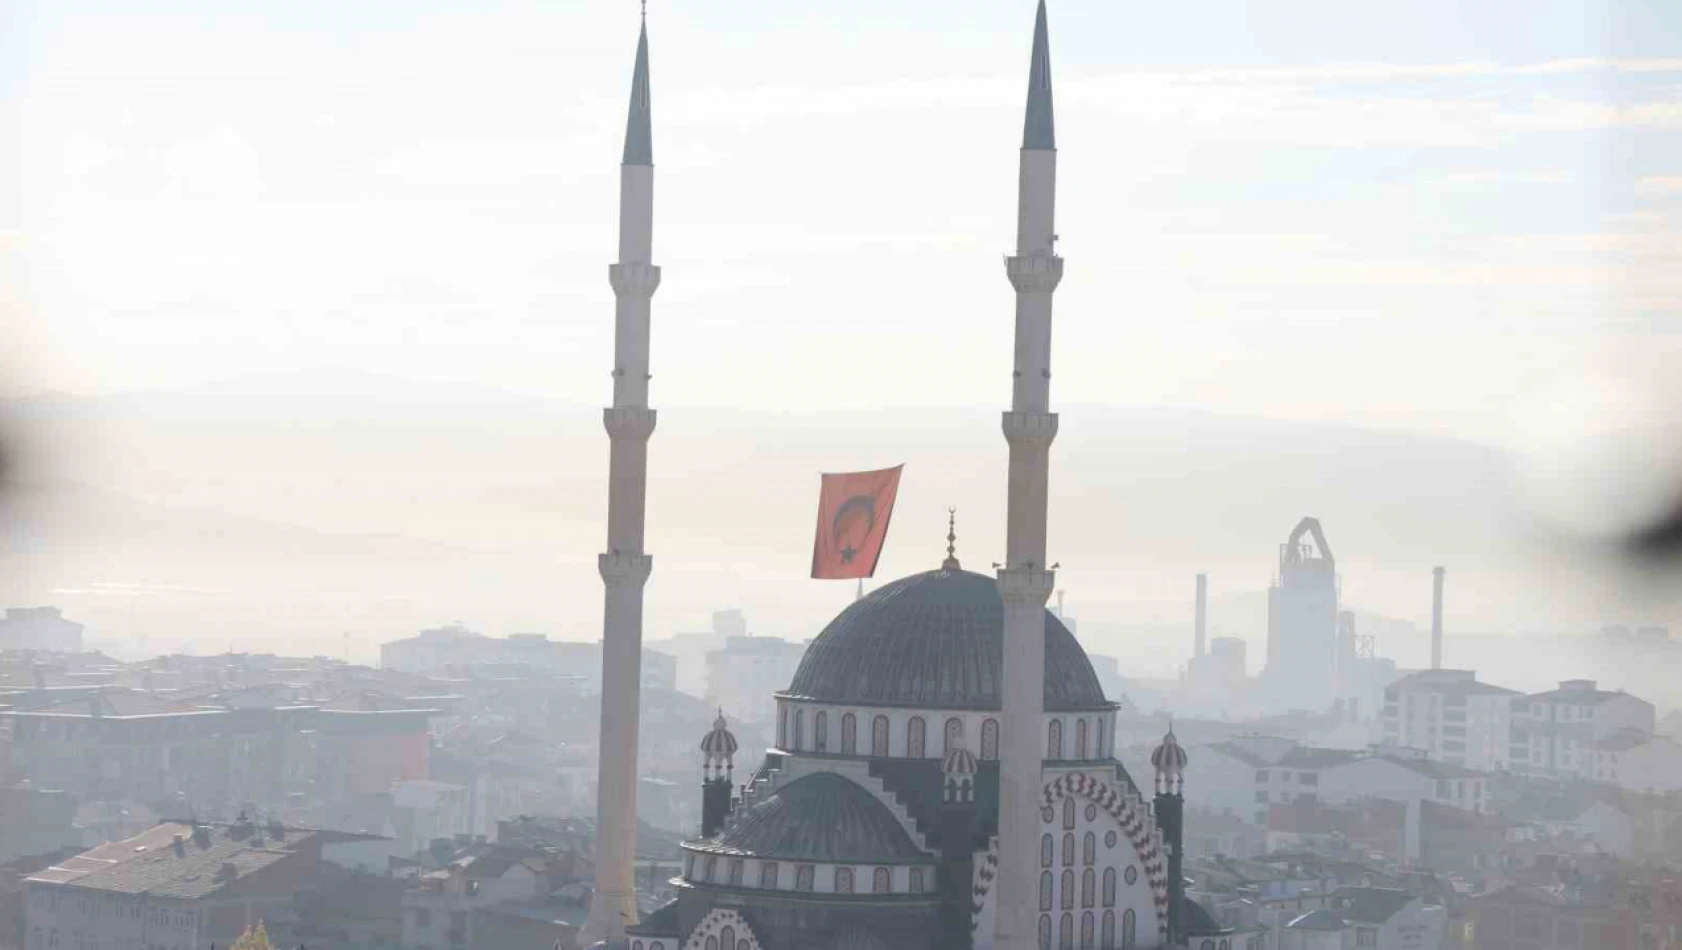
(951,562)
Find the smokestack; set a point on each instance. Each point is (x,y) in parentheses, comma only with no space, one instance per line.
(1437,618)
(1202,613)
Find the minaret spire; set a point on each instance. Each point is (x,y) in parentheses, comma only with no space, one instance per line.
(625,566)
(1025,582)
(1037,127)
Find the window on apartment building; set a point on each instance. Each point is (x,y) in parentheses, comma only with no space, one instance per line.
(1309,778)
(1285,776)
(1261,775)
(1442,788)
(1261,798)
(1366,937)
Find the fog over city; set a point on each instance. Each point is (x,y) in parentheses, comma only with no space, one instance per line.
(436,438)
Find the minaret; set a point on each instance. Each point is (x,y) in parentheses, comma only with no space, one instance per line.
(1437,617)
(625,566)
(1169,762)
(718,767)
(1025,582)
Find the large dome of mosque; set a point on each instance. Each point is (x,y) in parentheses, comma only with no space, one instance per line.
(935,641)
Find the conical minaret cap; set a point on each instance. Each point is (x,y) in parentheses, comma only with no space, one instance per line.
(639,140)
(1037,127)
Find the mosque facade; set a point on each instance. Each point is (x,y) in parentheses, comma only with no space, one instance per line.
(918,718)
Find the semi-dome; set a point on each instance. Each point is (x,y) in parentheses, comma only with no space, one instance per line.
(935,641)
(822,817)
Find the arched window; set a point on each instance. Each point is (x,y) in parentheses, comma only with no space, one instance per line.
(636,945)
(1101,750)
(768,874)
(782,727)
(1080,738)
(849,734)
(820,732)
(882,881)
(1129,926)
(803,874)
(1089,849)
(1066,933)
(879,737)
(727,937)
(1207,945)
(1045,932)
(1088,882)
(1054,739)
(799,728)
(712,867)
(1109,887)
(736,866)
(1045,890)
(843,880)
(1045,850)
(657,945)
(712,943)
(954,735)
(914,736)
(1108,931)
(1069,850)
(916,880)
(1068,813)
(989,739)
(1067,893)
(1086,921)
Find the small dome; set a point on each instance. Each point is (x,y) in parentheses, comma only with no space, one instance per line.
(821,817)
(719,744)
(1169,759)
(959,761)
(935,641)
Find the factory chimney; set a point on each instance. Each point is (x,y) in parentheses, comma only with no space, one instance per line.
(1437,618)
(1202,614)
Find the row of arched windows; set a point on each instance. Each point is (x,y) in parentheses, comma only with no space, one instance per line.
(1088,880)
(1083,749)
(1089,940)
(1088,849)
(1088,742)
(805,876)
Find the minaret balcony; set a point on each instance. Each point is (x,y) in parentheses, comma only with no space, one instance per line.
(1026,586)
(1030,429)
(634,279)
(1034,273)
(628,422)
(619,568)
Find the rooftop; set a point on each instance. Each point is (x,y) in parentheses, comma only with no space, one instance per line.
(170,860)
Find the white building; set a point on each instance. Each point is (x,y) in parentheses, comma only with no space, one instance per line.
(1554,733)
(1368,918)
(438,910)
(1404,777)
(1247,775)
(1452,717)
(746,670)
(1640,763)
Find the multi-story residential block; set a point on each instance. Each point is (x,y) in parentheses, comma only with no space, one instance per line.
(748,669)
(1246,775)
(1555,733)
(1452,717)
(1407,777)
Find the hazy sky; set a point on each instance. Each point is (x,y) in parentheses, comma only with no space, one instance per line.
(1411,214)
(1436,216)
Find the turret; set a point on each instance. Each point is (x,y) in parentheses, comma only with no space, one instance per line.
(1169,763)
(718,765)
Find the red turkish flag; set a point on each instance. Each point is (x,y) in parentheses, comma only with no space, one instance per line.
(853,513)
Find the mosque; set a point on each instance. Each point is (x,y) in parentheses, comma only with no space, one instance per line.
(944,773)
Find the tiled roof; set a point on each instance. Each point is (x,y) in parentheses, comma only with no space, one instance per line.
(1304,757)
(119,704)
(1431,768)
(150,863)
(1373,905)
(1322,920)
